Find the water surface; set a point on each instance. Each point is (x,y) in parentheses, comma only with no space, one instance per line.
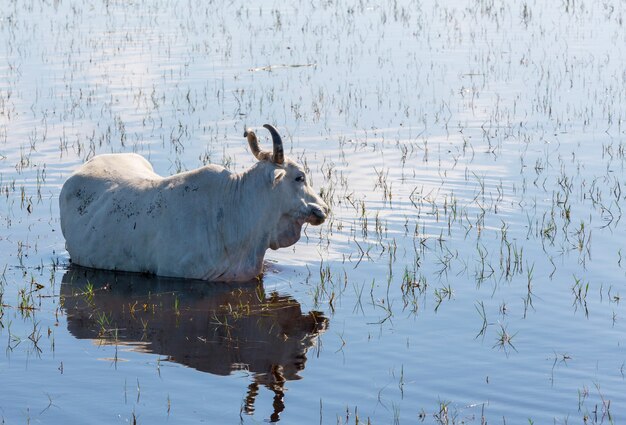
(472,268)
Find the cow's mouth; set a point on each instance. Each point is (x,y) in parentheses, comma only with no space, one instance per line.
(289,227)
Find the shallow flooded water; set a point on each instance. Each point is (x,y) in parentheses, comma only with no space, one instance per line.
(472,267)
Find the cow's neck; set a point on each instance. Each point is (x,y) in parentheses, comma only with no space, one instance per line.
(254,194)
(251,218)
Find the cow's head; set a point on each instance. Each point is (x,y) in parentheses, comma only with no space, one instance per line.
(295,200)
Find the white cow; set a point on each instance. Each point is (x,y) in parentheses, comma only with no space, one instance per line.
(209,223)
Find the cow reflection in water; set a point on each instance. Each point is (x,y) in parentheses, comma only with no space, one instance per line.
(216,328)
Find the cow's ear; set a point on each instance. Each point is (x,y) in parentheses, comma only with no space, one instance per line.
(277,175)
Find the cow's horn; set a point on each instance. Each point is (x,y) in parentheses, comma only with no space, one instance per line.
(279,155)
(253,142)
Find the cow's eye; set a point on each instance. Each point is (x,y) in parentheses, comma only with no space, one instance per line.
(300,179)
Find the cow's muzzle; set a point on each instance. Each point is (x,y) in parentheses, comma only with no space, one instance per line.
(317,214)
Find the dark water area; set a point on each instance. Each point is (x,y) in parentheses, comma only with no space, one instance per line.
(213,328)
